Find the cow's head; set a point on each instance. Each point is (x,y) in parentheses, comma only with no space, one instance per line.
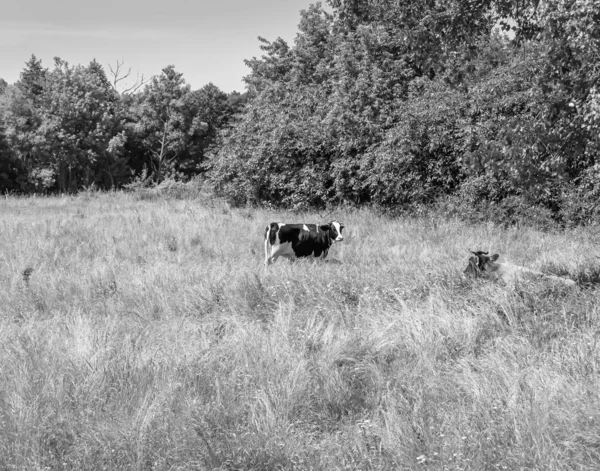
(334,229)
(480,263)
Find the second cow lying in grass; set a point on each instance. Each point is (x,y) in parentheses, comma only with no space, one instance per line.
(480,264)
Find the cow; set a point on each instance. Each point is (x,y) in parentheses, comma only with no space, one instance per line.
(480,264)
(300,240)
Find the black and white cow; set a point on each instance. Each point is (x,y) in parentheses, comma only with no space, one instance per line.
(300,240)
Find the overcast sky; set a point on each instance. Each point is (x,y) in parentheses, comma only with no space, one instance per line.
(207,40)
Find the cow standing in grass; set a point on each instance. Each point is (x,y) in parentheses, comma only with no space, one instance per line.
(300,240)
(480,264)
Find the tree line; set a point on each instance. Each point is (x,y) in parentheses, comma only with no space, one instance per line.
(69,127)
(389,103)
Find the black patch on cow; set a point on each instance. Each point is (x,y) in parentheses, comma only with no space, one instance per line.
(481,258)
(273,232)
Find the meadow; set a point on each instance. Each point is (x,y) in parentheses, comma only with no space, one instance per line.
(145,333)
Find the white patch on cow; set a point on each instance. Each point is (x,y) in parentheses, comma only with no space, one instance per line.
(509,273)
(273,252)
(267,255)
(340,237)
(282,250)
(305,227)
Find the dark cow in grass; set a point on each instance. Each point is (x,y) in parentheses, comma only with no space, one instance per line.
(300,240)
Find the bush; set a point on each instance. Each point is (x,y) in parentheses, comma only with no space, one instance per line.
(488,199)
(579,202)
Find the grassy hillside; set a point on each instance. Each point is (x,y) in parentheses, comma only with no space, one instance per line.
(147,335)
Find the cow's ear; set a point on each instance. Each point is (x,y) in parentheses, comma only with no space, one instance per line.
(494,257)
(325,227)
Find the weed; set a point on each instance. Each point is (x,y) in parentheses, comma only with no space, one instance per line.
(27,275)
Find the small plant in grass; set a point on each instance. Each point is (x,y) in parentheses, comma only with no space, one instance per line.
(172,244)
(27,275)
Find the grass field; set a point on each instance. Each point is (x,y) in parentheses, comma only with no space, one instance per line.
(146,334)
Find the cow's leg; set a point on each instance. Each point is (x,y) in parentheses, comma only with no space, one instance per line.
(267,251)
(274,256)
(281,250)
(318,253)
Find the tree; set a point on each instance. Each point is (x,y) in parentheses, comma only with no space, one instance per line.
(213,110)
(33,78)
(62,130)
(10,168)
(533,106)
(80,112)
(166,123)
(320,106)
(278,152)
(404,100)
(22,131)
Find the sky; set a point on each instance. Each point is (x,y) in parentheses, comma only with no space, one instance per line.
(206,40)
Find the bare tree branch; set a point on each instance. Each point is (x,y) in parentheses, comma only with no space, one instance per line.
(118,76)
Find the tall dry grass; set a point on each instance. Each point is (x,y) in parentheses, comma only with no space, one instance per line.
(146,334)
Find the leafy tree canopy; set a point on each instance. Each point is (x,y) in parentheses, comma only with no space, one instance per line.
(396,103)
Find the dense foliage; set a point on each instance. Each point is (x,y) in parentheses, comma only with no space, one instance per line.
(68,128)
(393,104)
(397,103)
